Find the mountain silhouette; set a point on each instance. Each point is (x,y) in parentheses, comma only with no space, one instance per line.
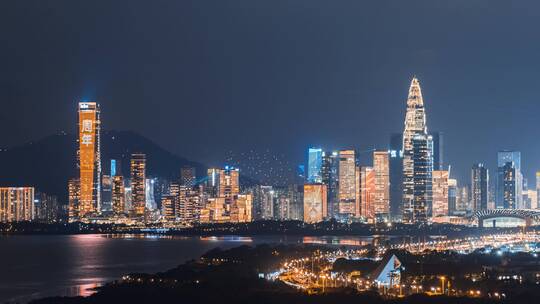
(47,164)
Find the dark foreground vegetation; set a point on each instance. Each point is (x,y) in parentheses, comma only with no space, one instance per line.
(234,276)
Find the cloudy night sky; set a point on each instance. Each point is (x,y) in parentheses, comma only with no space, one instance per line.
(203,78)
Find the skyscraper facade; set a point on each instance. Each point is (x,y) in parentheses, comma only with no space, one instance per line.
(315,158)
(479,187)
(509,186)
(314,203)
(422,179)
(263,203)
(415,125)
(241,209)
(440,193)
(74,195)
(452,196)
(514,159)
(187,176)
(296,198)
(47,208)
(367,193)
(168,207)
(138,183)
(189,204)
(381,199)
(229,184)
(114,167)
(212,181)
(330,177)
(347,204)
(463,200)
(106,193)
(89,155)
(150,200)
(16,204)
(282,204)
(118,195)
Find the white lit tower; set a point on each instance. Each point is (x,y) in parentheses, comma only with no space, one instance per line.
(415,124)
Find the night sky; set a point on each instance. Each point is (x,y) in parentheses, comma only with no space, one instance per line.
(204,78)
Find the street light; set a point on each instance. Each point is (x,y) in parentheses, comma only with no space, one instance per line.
(442,284)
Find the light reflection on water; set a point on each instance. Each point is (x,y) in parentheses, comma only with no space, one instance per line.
(340,241)
(83,290)
(72,265)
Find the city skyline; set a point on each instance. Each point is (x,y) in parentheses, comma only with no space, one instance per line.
(336,185)
(306,151)
(354,91)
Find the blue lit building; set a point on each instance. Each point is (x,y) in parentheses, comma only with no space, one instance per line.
(113,167)
(315,156)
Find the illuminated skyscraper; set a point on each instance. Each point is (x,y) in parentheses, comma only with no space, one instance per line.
(128,198)
(415,125)
(168,207)
(47,209)
(149,189)
(509,185)
(440,193)
(223,185)
(241,209)
(266,197)
(381,199)
(118,195)
(314,203)
(16,204)
(187,176)
(315,159)
(138,183)
(229,184)
(188,205)
(74,195)
(89,156)
(282,204)
(214,211)
(212,182)
(106,193)
(330,177)
(422,180)
(296,202)
(367,193)
(347,185)
(463,200)
(116,167)
(452,196)
(502,200)
(479,187)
